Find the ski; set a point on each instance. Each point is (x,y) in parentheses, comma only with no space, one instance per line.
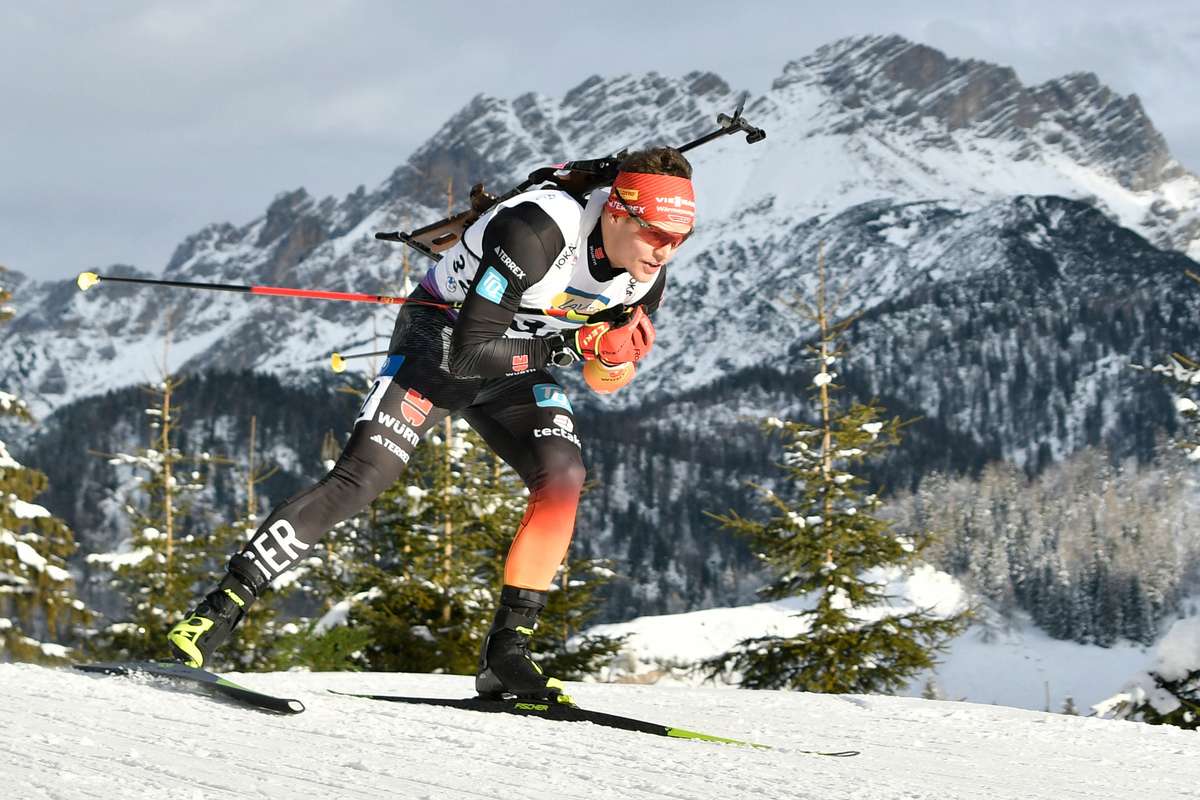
(212,683)
(564,712)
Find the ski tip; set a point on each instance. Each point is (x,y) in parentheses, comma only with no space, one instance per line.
(86,280)
(295,706)
(680,733)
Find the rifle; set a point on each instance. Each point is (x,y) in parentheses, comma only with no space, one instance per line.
(575,177)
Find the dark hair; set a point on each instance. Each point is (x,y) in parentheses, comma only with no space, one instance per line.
(657,161)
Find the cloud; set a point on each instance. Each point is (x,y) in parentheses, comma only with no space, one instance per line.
(173,24)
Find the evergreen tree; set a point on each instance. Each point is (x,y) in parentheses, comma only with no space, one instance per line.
(434,541)
(1183,376)
(1159,700)
(174,548)
(38,607)
(1169,694)
(440,538)
(331,579)
(411,584)
(1095,552)
(824,541)
(408,584)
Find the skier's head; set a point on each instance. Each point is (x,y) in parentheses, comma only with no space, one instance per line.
(650,211)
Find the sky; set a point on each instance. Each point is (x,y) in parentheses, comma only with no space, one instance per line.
(126,126)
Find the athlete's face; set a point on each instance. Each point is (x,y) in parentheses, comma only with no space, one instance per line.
(642,252)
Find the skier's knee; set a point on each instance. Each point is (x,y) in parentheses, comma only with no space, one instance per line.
(356,480)
(574,473)
(564,472)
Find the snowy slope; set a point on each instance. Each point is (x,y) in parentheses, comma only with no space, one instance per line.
(1009,663)
(65,735)
(1013,665)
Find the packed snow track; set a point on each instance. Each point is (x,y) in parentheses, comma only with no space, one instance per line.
(67,735)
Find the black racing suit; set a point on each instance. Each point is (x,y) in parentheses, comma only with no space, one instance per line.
(469,364)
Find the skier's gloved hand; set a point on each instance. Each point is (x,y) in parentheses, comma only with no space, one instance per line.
(613,344)
(616,314)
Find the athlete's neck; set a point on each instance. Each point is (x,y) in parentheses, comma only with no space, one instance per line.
(598,264)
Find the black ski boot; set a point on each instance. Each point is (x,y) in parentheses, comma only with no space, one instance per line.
(196,638)
(506,670)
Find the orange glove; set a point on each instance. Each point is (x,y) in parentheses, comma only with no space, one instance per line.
(614,345)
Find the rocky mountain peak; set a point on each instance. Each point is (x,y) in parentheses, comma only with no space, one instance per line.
(499,141)
(1109,129)
(283,212)
(207,238)
(889,80)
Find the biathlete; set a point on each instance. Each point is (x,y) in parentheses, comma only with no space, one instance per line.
(605,257)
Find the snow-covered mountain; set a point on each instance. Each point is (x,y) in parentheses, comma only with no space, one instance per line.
(68,735)
(858,132)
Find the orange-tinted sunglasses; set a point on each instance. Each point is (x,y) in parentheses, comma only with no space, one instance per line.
(651,235)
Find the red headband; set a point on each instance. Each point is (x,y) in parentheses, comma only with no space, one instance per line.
(654,198)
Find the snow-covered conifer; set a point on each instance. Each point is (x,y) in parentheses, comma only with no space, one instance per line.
(39,610)
(824,540)
(1095,552)
(431,548)
(411,583)
(1169,692)
(176,544)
